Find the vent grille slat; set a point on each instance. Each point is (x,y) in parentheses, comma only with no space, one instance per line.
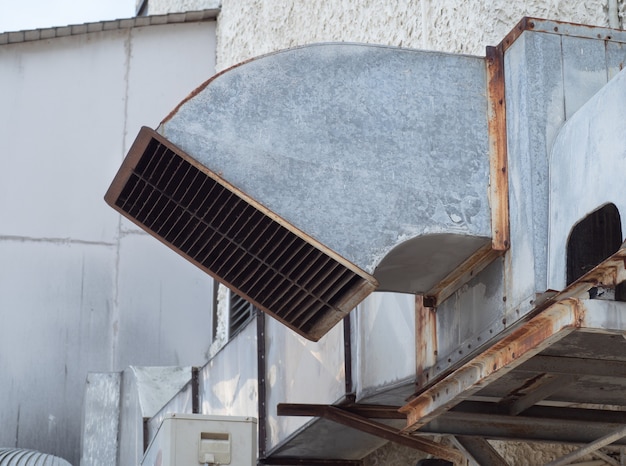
(232,237)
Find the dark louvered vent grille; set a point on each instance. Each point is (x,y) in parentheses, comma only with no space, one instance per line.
(234,239)
(240,312)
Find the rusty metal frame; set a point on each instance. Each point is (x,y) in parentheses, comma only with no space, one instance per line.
(562,28)
(498,185)
(353,418)
(556,318)
(527,341)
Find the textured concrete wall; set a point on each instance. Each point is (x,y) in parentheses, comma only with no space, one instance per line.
(247,28)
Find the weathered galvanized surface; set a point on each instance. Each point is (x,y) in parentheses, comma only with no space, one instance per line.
(588,169)
(101,417)
(298,370)
(180,403)
(228,383)
(383,328)
(144,390)
(551,69)
(535,111)
(570,353)
(502,357)
(361,147)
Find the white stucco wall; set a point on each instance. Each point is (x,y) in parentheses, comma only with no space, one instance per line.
(80,290)
(247,28)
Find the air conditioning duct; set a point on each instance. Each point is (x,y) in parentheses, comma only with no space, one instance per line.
(24,457)
(306,179)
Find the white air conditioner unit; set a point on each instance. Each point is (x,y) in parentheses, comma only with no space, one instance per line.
(194,439)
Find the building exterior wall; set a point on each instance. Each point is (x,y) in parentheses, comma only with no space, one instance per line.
(248,28)
(81,290)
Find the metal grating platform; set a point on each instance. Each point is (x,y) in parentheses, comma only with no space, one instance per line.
(235,239)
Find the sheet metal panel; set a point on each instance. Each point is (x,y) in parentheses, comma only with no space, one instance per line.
(55,307)
(468,320)
(584,71)
(615,58)
(181,403)
(386,143)
(228,382)
(588,166)
(383,348)
(300,371)
(535,111)
(101,416)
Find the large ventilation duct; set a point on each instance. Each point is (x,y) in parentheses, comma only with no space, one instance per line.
(306,179)
(22,457)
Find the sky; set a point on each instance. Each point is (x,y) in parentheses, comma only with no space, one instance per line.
(17,15)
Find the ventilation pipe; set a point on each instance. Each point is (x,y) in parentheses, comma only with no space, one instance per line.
(306,179)
(23,457)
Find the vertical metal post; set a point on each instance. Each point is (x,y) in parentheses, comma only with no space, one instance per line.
(347,354)
(195,390)
(262,392)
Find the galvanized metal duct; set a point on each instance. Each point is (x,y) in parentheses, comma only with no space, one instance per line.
(22,457)
(308,178)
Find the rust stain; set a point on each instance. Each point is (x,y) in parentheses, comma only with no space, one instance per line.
(201,87)
(463,273)
(519,346)
(499,177)
(425,339)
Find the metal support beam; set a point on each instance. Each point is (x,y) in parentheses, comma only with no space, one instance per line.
(348,419)
(527,341)
(481,451)
(520,428)
(606,458)
(541,389)
(580,366)
(593,446)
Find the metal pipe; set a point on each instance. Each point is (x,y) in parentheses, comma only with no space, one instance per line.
(593,446)
(606,458)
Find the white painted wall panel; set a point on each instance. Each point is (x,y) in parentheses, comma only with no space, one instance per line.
(63,107)
(55,305)
(167,64)
(164,306)
(228,383)
(77,293)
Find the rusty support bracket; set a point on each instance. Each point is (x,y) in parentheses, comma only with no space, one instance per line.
(519,346)
(349,419)
(499,176)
